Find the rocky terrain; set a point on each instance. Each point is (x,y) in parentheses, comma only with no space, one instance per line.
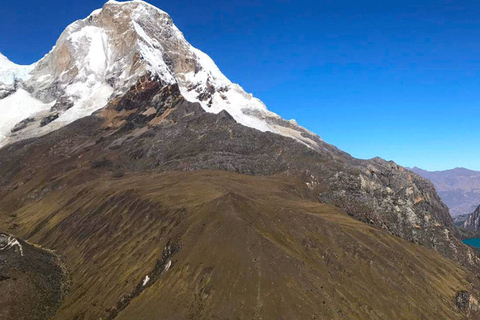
(170,203)
(460,219)
(459,188)
(33,280)
(473,221)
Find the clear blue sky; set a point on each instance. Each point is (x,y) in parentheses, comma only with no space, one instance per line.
(396,79)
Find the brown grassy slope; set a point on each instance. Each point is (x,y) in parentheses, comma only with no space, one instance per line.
(248,248)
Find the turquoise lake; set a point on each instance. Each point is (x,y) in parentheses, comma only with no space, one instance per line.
(475,242)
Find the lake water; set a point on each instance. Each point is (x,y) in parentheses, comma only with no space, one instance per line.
(475,242)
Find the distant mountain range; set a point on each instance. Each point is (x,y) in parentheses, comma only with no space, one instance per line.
(459,188)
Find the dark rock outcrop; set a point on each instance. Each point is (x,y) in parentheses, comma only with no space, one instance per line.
(46,120)
(466,302)
(23,124)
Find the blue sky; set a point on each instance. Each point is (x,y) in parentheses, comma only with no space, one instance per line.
(395,79)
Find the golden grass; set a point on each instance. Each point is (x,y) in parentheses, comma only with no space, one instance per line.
(252,248)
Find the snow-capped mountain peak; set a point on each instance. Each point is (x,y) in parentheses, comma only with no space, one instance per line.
(103,55)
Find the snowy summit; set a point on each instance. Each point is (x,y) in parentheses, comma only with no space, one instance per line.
(102,56)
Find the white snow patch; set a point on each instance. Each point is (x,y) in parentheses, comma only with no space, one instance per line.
(209,70)
(243,107)
(11,72)
(5,63)
(151,50)
(146,280)
(17,107)
(292,133)
(168,265)
(89,89)
(94,42)
(89,97)
(95,12)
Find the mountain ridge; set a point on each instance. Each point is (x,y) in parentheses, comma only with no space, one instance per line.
(459,188)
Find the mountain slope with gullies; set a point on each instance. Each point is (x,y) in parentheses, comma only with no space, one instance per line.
(215,244)
(161,208)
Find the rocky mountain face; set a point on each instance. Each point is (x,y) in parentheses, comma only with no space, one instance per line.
(460,219)
(182,195)
(473,220)
(459,188)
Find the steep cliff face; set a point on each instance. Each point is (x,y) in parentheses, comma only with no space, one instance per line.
(459,188)
(473,220)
